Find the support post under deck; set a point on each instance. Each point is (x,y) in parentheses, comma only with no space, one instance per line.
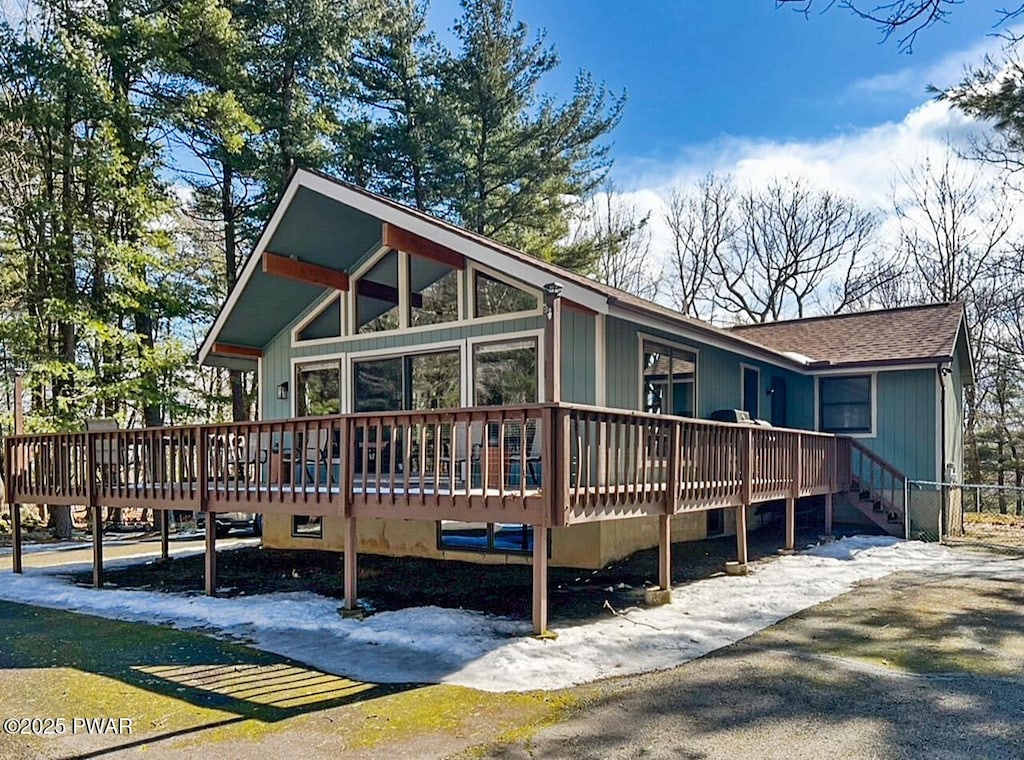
(790,524)
(165,534)
(210,565)
(540,579)
(828,514)
(741,534)
(16,536)
(665,552)
(97,546)
(351,567)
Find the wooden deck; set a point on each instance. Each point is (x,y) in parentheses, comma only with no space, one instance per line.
(547,465)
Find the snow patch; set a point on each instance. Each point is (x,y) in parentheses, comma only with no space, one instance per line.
(434,645)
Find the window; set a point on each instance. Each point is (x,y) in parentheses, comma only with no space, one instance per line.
(413,381)
(377,296)
(751,391)
(495,538)
(669,379)
(492,296)
(845,404)
(319,389)
(435,292)
(326,323)
(505,373)
(306,526)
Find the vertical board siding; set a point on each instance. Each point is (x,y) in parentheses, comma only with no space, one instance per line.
(278,354)
(578,383)
(905,433)
(718,375)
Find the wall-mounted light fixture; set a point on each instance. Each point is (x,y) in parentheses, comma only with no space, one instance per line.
(551,291)
(282,392)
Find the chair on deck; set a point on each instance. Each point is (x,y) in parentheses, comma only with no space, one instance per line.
(251,453)
(458,450)
(321,453)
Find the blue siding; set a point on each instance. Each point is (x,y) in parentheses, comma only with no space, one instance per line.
(278,354)
(719,378)
(578,357)
(905,422)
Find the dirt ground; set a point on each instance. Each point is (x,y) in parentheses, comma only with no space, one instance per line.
(909,666)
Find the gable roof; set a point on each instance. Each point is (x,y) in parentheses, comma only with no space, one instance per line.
(325,221)
(909,335)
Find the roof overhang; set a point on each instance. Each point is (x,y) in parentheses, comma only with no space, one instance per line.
(323,229)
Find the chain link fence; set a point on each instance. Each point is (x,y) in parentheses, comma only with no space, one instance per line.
(989,516)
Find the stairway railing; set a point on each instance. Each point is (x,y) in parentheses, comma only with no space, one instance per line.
(881,481)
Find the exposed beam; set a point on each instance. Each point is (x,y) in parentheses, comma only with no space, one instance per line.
(386,293)
(403,240)
(303,271)
(228,349)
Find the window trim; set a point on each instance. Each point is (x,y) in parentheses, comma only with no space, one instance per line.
(744,367)
(311,536)
(512,337)
(472,268)
(489,549)
(873,377)
(401,352)
(668,343)
(312,362)
(319,307)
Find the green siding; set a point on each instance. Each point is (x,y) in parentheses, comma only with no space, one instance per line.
(578,357)
(905,422)
(718,375)
(278,354)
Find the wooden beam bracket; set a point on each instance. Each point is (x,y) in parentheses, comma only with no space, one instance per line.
(304,271)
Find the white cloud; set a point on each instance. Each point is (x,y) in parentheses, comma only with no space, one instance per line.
(945,72)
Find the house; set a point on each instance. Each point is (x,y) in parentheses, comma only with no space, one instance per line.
(427,391)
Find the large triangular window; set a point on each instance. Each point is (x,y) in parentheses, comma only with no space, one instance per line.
(492,296)
(325,322)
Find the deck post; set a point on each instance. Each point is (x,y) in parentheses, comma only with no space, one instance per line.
(16,536)
(540,579)
(350,560)
(210,565)
(665,553)
(790,524)
(14,470)
(741,535)
(553,343)
(828,514)
(165,534)
(97,545)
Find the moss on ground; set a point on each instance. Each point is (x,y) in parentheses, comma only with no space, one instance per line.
(183,689)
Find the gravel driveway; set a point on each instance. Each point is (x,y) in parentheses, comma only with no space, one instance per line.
(911,666)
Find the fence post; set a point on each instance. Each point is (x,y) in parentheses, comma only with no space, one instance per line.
(906,509)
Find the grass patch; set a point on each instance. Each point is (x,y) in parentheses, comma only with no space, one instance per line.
(182,689)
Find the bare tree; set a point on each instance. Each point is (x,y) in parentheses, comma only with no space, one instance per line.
(954,225)
(791,242)
(620,231)
(701,224)
(904,19)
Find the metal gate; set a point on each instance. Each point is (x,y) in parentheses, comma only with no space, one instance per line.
(989,516)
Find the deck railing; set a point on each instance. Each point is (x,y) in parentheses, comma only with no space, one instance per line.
(553,464)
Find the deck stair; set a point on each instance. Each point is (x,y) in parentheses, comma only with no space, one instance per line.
(877,491)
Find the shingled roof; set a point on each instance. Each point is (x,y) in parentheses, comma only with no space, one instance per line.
(910,335)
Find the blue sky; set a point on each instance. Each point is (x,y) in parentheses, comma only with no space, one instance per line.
(742,72)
